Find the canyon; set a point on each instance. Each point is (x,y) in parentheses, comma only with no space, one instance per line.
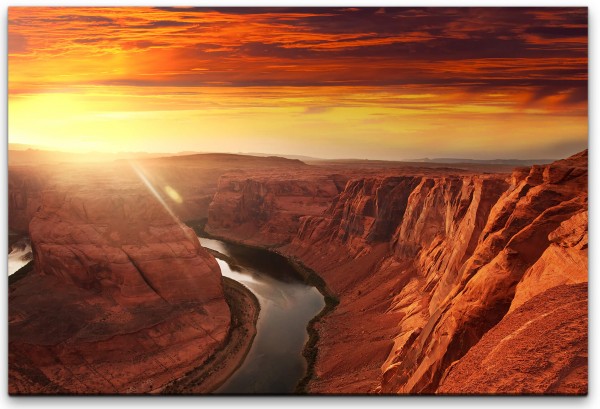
(443,275)
(424,263)
(121,299)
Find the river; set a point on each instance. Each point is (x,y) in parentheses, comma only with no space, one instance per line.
(275,363)
(19,256)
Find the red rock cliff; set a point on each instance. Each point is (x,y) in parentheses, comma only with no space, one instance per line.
(264,207)
(540,347)
(25,186)
(517,233)
(191,180)
(122,298)
(383,247)
(424,263)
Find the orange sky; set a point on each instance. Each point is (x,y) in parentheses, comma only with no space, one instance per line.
(392,83)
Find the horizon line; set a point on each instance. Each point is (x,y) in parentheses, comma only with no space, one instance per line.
(50,150)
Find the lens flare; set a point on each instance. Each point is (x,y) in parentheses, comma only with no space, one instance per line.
(173,194)
(140,172)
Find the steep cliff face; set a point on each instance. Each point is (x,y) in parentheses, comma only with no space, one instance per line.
(187,183)
(388,247)
(195,177)
(25,185)
(564,261)
(122,297)
(264,208)
(424,263)
(540,347)
(445,277)
(515,236)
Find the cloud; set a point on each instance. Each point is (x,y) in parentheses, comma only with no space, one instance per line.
(543,50)
(17,43)
(317,109)
(162,23)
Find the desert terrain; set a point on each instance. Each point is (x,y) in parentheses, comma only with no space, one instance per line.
(442,278)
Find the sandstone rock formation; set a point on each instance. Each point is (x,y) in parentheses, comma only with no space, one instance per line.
(388,241)
(264,208)
(540,347)
(195,177)
(122,298)
(425,262)
(190,180)
(438,270)
(25,185)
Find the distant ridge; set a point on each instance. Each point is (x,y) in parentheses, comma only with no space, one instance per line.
(228,158)
(21,154)
(511,162)
(303,158)
(34,156)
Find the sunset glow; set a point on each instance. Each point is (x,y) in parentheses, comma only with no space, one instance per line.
(367,83)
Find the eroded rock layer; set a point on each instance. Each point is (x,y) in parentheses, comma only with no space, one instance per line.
(540,347)
(187,183)
(424,262)
(436,269)
(122,298)
(264,208)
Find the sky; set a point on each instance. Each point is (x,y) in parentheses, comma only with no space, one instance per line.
(376,83)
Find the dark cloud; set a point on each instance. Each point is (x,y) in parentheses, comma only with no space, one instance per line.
(250,10)
(163,23)
(577,95)
(260,49)
(92,40)
(558,32)
(97,20)
(541,48)
(17,43)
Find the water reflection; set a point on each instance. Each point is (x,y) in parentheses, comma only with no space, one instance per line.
(275,363)
(19,256)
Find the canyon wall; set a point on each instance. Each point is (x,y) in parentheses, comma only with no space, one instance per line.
(264,208)
(425,263)
(439,271)
(187,183)
(122,298)
(25,185)
(518,231)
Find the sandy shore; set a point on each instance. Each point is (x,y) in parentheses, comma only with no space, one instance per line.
(219,367)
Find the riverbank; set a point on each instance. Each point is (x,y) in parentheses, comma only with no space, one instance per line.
(310,351)
(220,366)
(20,273)
(19,253)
